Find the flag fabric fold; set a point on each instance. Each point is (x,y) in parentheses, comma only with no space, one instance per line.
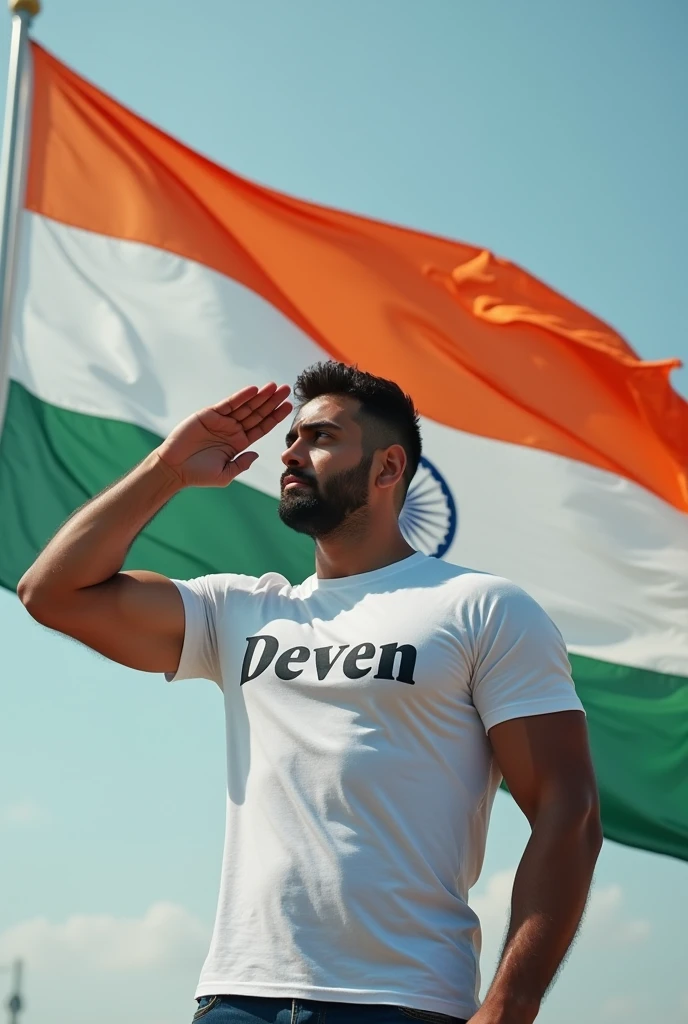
(152,282)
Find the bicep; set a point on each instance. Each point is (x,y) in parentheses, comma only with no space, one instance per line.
(135,618)
(545,758)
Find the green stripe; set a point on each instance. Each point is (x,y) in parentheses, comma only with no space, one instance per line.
(52,461)
(638,722)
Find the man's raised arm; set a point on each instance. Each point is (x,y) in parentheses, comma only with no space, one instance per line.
(76,585)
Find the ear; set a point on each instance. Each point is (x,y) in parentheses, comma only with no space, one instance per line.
(391,466)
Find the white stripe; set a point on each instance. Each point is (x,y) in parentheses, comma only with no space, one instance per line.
(606,559)
(126,331)
(122,330)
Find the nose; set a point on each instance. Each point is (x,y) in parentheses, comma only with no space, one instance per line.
(295,455)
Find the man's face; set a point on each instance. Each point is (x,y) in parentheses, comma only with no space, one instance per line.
(327,474)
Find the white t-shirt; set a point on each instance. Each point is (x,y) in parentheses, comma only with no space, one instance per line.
(360,776)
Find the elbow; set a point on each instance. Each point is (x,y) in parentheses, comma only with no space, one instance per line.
(590,831)
(26,591)
(594,829)
(573,815)
(35,600)
(585,824)
(588,808)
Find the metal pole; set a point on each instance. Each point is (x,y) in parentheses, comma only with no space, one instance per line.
(15,1004)
(12,174)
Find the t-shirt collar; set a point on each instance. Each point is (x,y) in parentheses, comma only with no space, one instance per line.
(365,579)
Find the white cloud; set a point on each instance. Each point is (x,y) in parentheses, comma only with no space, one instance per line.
(140,969)
(604,903)
(606,921)
(166,935)
(605,918)
(491,903)
(22,814)
(618,1008)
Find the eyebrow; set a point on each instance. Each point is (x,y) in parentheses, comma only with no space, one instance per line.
(313,425)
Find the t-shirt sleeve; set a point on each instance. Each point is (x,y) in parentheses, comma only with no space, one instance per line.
(200,658)
(521,666)
(211,603)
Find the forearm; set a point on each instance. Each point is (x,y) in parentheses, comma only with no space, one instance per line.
(549,896)
(92,545)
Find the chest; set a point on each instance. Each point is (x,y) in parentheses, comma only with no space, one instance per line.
(378,649)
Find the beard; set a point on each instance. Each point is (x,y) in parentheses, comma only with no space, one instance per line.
(319,511)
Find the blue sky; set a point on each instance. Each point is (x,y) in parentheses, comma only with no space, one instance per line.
(553,134)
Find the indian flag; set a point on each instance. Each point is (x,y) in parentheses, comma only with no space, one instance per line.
(152,282)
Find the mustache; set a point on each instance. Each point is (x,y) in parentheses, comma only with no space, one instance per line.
(298,475)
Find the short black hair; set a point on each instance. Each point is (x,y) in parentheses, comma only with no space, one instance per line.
(391,413)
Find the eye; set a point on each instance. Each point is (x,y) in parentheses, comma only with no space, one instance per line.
(321,433)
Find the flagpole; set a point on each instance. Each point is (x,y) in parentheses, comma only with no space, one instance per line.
(12,174)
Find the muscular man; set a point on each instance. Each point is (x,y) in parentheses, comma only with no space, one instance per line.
(370,714)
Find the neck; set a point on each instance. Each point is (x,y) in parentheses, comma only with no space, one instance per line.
(351,550)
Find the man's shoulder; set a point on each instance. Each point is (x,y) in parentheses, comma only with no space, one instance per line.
(464,580)
(480,596)
(224,584)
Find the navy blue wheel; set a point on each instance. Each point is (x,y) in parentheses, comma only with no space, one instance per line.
(428,519)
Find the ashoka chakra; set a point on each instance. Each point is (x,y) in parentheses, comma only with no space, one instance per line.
(428,519)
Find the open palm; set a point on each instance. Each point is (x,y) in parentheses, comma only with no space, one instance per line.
(208,449)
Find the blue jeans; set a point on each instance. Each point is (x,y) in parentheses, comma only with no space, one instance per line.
(261,1010)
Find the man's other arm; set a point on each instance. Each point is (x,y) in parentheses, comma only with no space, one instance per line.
(545,761)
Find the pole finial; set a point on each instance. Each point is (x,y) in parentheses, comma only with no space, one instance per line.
(32,7)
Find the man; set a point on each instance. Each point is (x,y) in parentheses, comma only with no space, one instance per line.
(370,714)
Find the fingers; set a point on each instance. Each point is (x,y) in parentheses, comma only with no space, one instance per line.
(261,406)
(236,400)
(267,423)
(246,402)
(255,411)
(261,411)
